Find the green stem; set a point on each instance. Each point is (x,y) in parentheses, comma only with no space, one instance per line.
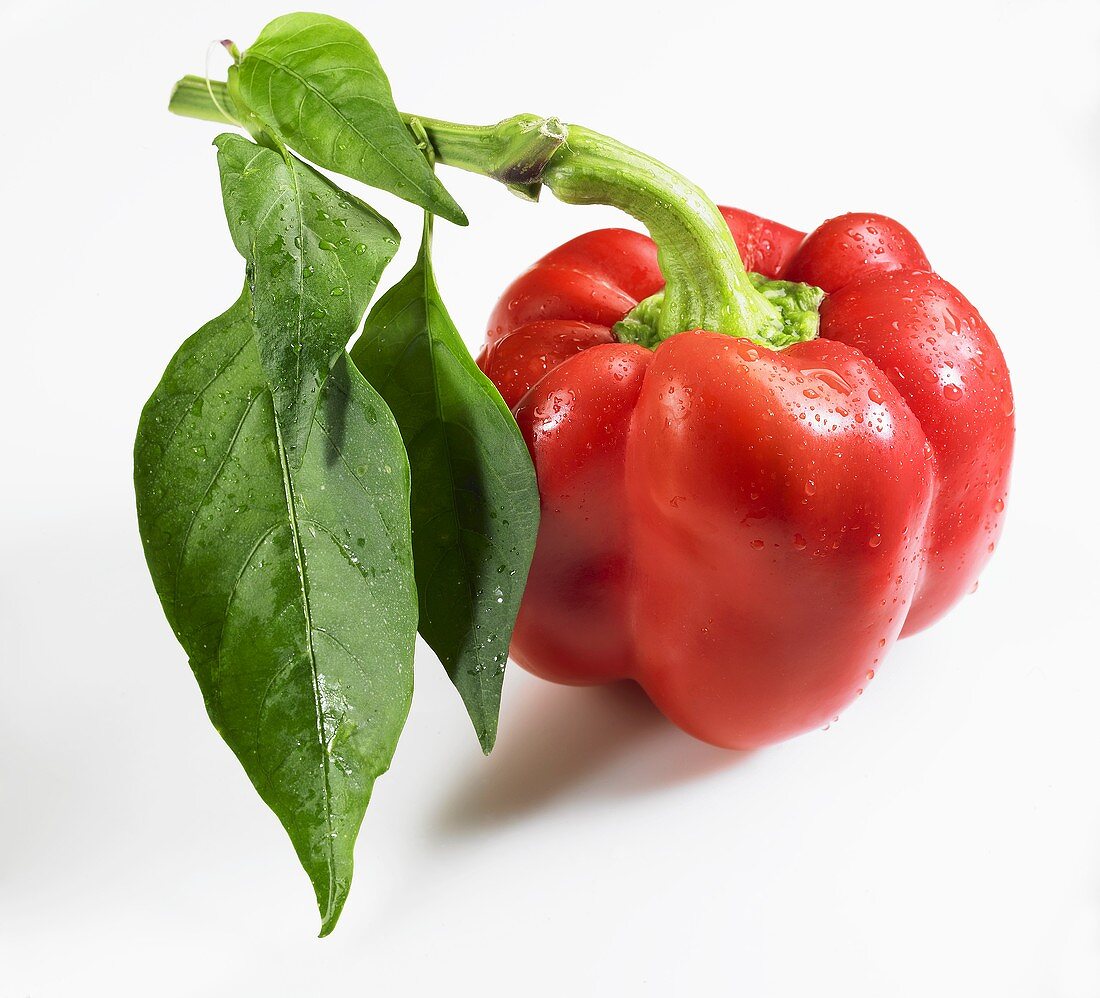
(706,284)
(516,155)
(208,100)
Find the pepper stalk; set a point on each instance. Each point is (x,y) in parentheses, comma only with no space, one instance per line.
(706,284)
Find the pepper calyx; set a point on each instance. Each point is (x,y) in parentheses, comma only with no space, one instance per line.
(798,306)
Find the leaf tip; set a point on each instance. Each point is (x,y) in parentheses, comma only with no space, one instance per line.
(485,717)
(327,925)
(330,903)
(488,738)
(444,205)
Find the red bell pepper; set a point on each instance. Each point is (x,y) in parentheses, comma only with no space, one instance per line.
(740,511)
(745,532)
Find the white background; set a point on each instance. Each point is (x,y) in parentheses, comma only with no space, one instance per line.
(942,839)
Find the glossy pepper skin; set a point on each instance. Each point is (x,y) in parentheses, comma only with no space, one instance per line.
(745,532)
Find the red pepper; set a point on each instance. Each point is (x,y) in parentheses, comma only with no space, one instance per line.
(746,531)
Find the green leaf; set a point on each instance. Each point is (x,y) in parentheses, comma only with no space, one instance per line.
(317,83)
(290,589)
(314,256)
(475,502)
